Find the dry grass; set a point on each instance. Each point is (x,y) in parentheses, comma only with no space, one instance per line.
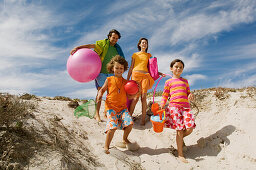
(27,96)
(13,110)
(20,141)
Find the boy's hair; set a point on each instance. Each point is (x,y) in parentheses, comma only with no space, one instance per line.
(119,60)
(114,31)
(177,61)
(138,45)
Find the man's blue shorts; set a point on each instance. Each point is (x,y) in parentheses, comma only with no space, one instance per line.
(100,80)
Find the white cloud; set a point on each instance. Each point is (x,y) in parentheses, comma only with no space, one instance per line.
(193,78)
(28,37)
(23,30)
(17,85)
(195,24)
(83,93)
(191,59)
(239,83)
(200,25)
(242,52)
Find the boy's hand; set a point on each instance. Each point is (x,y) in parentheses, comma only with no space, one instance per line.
(98,99)
(191,97)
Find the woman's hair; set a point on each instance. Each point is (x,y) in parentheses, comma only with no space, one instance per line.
(138,45)
(119,60)
(114,31)
(177,61)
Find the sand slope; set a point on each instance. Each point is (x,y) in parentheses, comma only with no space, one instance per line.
(223,139)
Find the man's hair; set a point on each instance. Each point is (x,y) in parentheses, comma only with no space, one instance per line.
(138,45)
(114,31)
(177,61)
(119,60)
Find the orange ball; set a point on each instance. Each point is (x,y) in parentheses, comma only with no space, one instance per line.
(131,87)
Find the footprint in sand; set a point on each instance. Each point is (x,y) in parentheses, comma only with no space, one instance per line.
(125,161)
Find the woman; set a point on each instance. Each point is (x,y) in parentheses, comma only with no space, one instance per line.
(139,73)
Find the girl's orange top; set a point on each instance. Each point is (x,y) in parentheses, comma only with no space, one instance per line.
(116,95)
(141,61)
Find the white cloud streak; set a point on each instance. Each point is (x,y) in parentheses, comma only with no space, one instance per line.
(28,37)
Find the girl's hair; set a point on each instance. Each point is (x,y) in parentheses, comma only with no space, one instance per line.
(114,31)
(119,60)
(177,61)
(138,45)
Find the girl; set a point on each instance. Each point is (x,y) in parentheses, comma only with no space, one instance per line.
(139,72)
(178,115)
(115,105)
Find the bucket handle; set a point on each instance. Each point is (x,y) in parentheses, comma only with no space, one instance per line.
(157,85)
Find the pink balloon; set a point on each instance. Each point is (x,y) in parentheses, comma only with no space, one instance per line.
(84,65)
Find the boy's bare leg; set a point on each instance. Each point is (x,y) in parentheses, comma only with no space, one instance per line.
(109,138)
(127,131)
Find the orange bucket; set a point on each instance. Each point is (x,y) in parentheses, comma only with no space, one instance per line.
(157,126)
(158,121)
(155,108)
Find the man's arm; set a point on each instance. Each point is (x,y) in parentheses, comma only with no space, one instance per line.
(81,46)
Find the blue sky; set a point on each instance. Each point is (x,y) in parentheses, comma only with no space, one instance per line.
(215,39)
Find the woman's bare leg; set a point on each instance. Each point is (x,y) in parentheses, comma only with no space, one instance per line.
(133,104)
(144,108)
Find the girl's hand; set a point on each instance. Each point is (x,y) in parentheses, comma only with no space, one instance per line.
(191,97)
(162,74)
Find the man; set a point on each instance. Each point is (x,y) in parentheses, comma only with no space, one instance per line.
(106,49)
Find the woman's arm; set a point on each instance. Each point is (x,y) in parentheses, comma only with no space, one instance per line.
(130,70)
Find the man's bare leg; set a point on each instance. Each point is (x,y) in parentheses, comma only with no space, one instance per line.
(98,104)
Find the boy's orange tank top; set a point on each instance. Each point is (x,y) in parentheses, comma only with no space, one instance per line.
(116,96)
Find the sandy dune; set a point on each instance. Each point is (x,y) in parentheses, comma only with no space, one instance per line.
(223,139)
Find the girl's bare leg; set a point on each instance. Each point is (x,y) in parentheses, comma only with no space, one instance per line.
(108,140)
(179,141)
(187,132)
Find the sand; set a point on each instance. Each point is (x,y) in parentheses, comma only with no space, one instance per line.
(224,137)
